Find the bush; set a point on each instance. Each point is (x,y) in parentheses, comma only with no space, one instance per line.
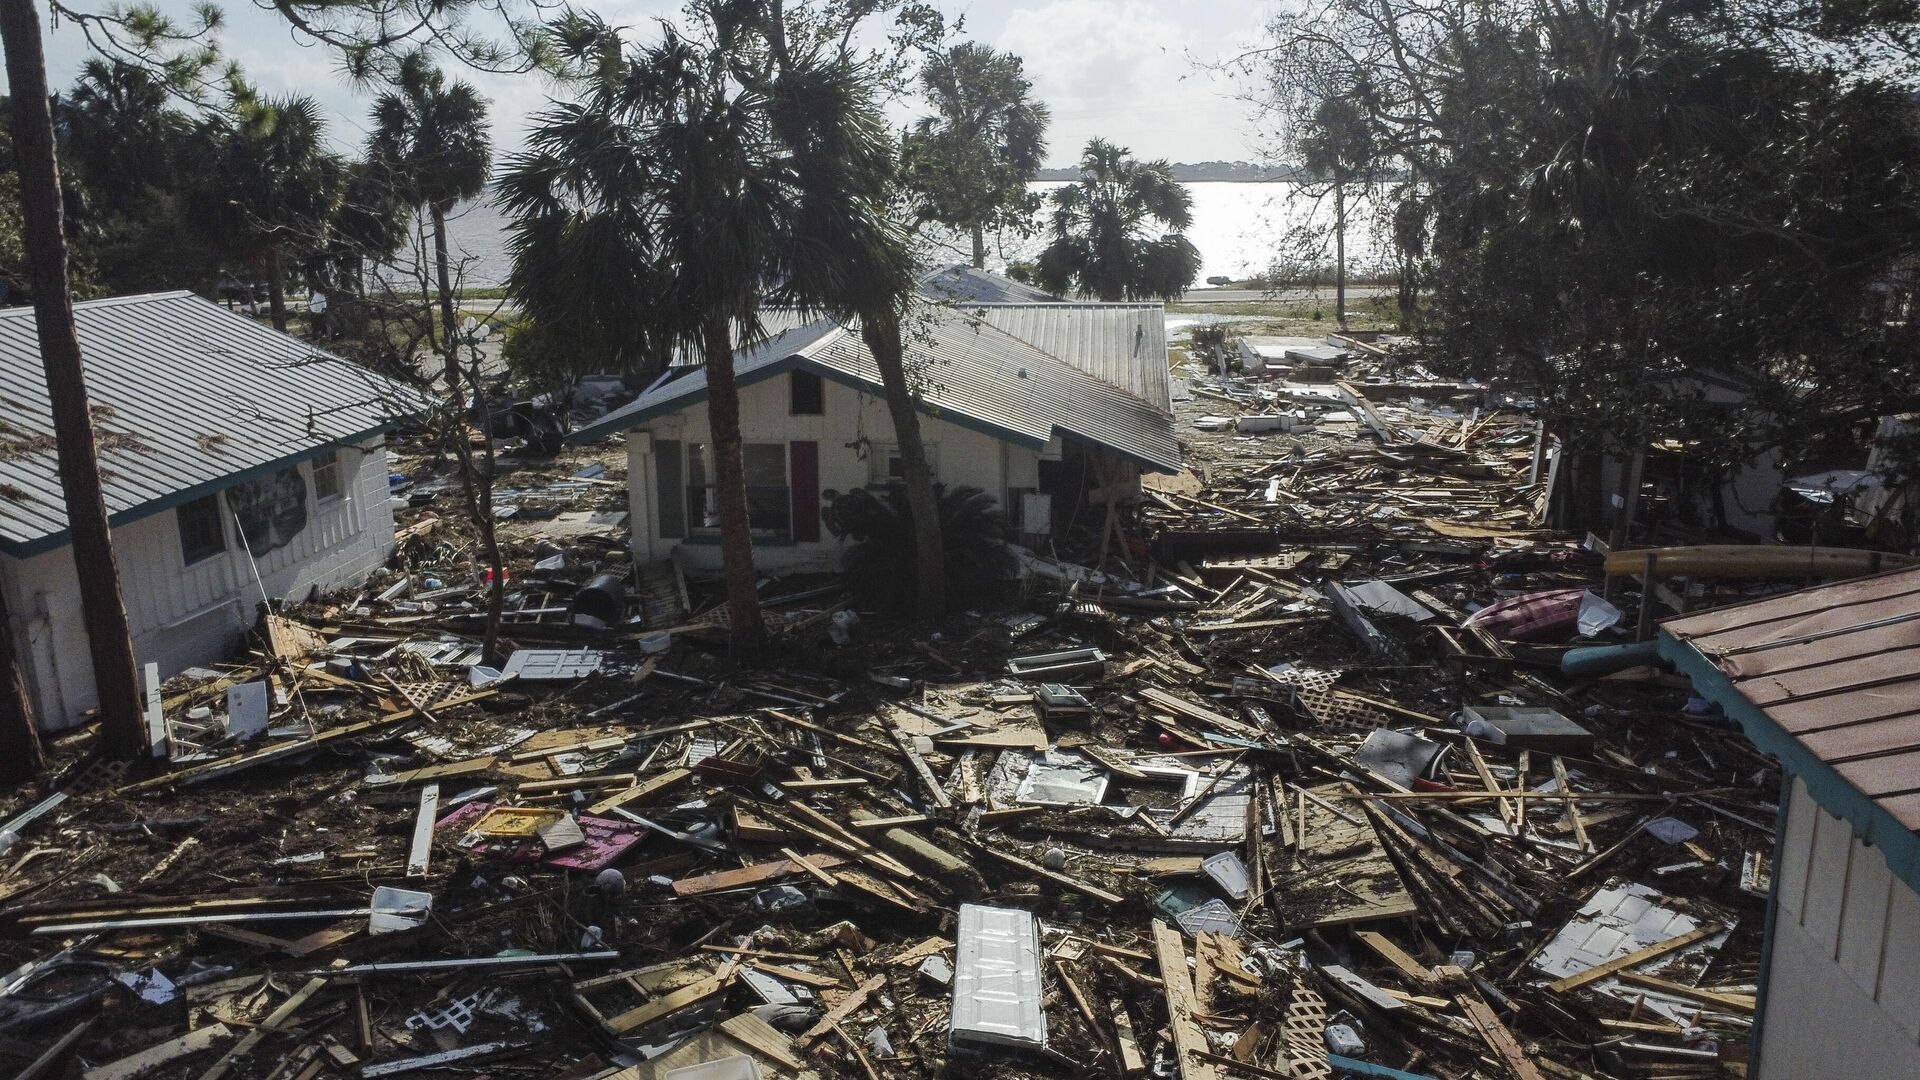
(880,564)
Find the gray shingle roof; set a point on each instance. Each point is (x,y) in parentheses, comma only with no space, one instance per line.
(971,373)
(188,398)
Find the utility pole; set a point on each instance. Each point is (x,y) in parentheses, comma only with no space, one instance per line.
(122,731)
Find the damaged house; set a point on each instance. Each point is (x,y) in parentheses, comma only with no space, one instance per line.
(1047,406)
(237,463)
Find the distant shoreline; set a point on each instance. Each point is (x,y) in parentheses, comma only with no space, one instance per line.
(1225,172)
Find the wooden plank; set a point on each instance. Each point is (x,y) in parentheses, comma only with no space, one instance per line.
(890,822)
(1188,1040)
(651,786)
(795,975)
(64,1043)
(275,1020)
(1492,1032)
(756,874)
(764,1039)
(935,790)
(1638,956)
(421,851)
(1037,870)
(808,868)
(1741,1003)
(1360,988)
(1573,807)
(1399,958)
(846,1007)
(668,1004)
(1132,1062)
(153,1057)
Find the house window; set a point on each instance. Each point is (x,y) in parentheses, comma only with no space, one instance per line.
(326,476)
(885,468)
(769,496)
(200,534)
(807,394)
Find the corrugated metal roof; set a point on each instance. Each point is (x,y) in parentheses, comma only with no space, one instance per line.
(969,372)
(1123,344)
(1837,668)
(958,284)
(186,396)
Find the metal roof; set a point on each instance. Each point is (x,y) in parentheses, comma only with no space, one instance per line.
(970,373)
(963,284)
(1123,344)
(1837,670)
(188,398)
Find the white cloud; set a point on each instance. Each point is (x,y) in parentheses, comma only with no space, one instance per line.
(1126,70)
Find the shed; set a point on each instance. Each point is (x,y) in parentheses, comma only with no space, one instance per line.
(1827,680)
(237,462)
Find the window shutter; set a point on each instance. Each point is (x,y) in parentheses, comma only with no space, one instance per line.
(803,465)
(670,483)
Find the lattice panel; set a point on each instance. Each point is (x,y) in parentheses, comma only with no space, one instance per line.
(1314,694)
(1303,1037)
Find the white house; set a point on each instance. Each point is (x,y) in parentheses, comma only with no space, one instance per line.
(1041,404)
(1826,681)
(237,462)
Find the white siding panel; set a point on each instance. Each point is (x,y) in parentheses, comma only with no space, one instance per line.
(1900,967)
(1863,919)
(185,615)
(1796,848)
(1827,881)
(965,458)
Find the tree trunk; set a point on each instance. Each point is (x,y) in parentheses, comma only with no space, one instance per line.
(122,729)
(20,755)
(930,563)
(1340,253)
(447,319)
(276,288)
(747,630)
(979,248)
(477,480)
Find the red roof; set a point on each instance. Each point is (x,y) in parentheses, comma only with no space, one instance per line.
(1837,667)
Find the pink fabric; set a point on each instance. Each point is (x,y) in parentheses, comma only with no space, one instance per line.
(1533,617)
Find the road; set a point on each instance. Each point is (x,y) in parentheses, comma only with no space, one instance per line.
(1256,296)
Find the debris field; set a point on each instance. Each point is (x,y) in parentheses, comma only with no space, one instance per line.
(1338,764)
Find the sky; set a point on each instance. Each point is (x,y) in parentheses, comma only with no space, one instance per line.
(1132,71)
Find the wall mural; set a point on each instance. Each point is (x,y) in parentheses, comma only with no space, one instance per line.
(271,510)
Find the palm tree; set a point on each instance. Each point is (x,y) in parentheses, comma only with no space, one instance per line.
(434,142)
(969,163)
(1337,145)
(1104,241)
(713,178)
(271,185)
(122,131)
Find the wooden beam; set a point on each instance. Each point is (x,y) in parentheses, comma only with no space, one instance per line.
(153,1057)
(1421,974)
(421,852)
(651,786)
(1638,956)
(1188,1040)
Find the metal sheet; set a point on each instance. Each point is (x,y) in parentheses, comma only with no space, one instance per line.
(186,395)
(996,983)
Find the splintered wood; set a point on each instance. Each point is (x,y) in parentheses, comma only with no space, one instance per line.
(1345,874)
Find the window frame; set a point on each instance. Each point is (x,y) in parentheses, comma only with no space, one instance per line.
(206,549)
(795,379)
(700,456)
(880,458)
(329,461)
